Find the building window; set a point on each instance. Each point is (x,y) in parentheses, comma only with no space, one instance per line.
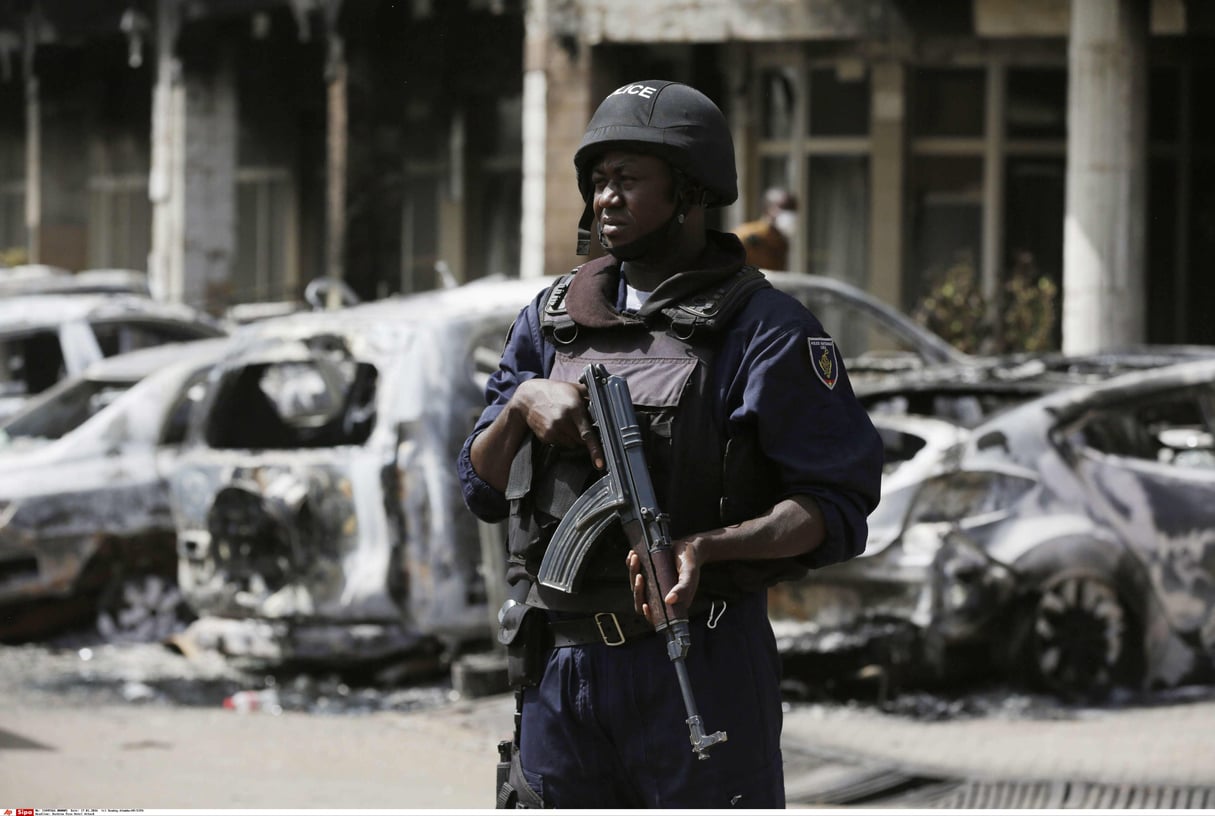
(814,141)
(425,172)
(982,166)
(946,212)
(1036,104)
(945,178)
(985,175)
(461,202)
(120,222)
(12,218)
(1034,206)
(837,208)
(421,204)
(1168,290)
(12,197)
(1035,171)
(1181,201)
(496,194)
(265,235)
(777,95)
(949,103)
(839,100)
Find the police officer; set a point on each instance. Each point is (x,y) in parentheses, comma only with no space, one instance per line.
(761,455)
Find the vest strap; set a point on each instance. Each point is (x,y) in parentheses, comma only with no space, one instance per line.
(707,311)
(712,310)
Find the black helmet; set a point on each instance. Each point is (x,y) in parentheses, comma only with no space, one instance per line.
(670,120)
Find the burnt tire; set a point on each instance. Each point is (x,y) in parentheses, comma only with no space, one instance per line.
(140,609)
(1074,638)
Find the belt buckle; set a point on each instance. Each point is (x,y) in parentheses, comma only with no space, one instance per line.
(609,638)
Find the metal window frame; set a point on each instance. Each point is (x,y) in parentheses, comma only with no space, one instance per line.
(800,147)
(271,281)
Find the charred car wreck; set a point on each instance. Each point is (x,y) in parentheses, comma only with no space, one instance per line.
(46,337)
(85,526)
(317,511)
(317,508)
(1068,541)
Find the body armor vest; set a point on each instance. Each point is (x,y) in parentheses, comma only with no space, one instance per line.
(702,479)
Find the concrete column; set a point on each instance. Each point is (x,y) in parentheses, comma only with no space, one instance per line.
(33,144)
(557,65)
(887,168)
(165,272)
(210,180)
(453,240)
(336,142)
(991,272)
(799,162)
(740,110)
(1104,293)
(535,140)
(193,179)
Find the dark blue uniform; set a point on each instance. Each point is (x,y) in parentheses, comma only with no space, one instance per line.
(605,726)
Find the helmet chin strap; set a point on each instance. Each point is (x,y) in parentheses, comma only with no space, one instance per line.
(664,235)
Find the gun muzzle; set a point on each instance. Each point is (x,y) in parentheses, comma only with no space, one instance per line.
(702,742)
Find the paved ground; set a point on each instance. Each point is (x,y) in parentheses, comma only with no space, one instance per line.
(126,756)
(1158,755)
(136,756)
(1163,745)
(87,725)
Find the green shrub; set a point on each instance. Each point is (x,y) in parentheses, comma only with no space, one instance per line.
(1024,317)
(13,256)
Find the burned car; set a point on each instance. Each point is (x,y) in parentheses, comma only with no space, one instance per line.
(318,513)
(41,279)
(875,338)
(319,517)
(44,338)
(85,527)
(1068,541)
(30,278)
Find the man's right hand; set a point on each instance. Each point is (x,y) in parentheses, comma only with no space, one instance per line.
(554,411)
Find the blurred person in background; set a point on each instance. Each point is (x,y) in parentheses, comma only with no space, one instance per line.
(767,238)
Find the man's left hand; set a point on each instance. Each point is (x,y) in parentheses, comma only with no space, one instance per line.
(679,596)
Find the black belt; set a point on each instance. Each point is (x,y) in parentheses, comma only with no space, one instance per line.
(607,628)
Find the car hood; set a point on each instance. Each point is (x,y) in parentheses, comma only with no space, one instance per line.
(32,467)
(22,455)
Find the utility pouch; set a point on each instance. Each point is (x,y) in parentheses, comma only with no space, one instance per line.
(544,483)
(523,630)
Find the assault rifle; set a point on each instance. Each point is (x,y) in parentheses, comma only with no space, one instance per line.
(626,493)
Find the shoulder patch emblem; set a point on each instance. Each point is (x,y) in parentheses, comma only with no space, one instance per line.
(823,360)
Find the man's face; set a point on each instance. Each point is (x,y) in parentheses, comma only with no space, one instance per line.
(633,195)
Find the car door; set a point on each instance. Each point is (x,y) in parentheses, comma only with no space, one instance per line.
(175,420)
(1149,465)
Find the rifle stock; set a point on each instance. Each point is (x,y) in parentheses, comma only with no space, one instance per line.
(626,493)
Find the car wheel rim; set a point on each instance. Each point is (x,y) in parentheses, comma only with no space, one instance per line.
(142,609)
(1079,635)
